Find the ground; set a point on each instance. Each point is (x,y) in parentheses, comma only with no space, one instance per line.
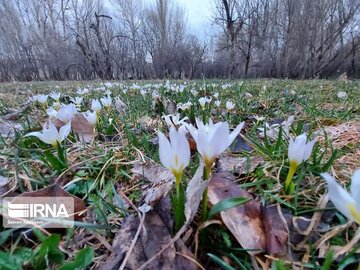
(110,172)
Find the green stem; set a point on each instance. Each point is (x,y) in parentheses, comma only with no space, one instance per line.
(206,177)
(289,184)
(179,206)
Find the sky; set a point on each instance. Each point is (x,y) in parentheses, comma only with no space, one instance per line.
(199,15)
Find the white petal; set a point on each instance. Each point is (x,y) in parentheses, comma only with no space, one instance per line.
(339,196)
(165,151)
(235,132)
(355,187)
(219,140)
(64,131)
(308,149)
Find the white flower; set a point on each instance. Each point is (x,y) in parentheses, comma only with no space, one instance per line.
(347,203)
(194,92)
(55,96)
(66,113)
(91,117)
(108,84)
(143,92)
(184,106)
(174,154)
(155,95)
(272,131)
(77,100)
(212,139)
(248,95)
(41,98)
(82,91)
(217,103)
(51,135)
(106,101)
(203,101)
(299,150)
(96,105)
(51,112)
(229,105)
(342,95)
(216,95)
(172,120)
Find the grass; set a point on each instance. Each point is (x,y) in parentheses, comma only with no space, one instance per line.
(95,172)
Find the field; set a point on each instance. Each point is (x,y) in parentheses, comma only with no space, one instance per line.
(126,200)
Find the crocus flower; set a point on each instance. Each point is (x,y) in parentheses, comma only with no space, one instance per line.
(184,106)
(77,100)
(51,112)
(174,154)
(106,101)
(172,120)
(229,105)
(55,96)
(217,103)
(41,98)
(299,151)
(66,113)
(51,135)
(347,203)
(91,117)
(216,95)
(203,101)
(96,105)
(212,139)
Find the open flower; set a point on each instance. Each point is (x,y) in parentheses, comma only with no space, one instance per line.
(174,154)
(55,96)
(299,150)
(106,101)
(51,135)
(41,98)
(347,203)
(203,101)
(91,117)
(212,139)
(77,101)
(172,120)
(96,105)
(66,113)
(229,105)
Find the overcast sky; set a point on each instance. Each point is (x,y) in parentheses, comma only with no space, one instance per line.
(199,15)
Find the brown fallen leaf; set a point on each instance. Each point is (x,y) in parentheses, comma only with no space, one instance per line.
(4,184)
(239,165)
(153,172)
(82,128)
(56,191)
(244,221)
(154,236)
(276,231)
(8,128)
(16,114)
(194,193)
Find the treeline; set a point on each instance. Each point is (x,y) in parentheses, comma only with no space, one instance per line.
(136,39)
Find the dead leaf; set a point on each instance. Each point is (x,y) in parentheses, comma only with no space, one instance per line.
(56,191)
(194,193)
(154,236)
(240,145)
(81,126)
(276,231)
(153,172)
(244,221)
(8,128)
(16,114)
(239,165)
(4,184)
